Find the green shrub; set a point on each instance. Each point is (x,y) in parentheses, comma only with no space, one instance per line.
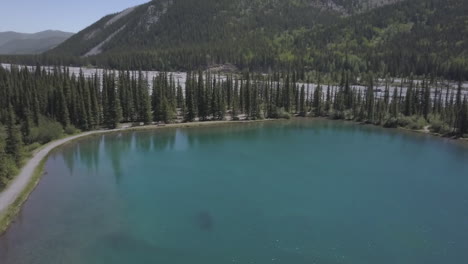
(280,113)
(335,114)
(403,121)
(2,131)
(418,123)
(438,126)
(391,123)
(348,115)
(412,122)
(8,170)
(71,130)
(32,147)
(47,131)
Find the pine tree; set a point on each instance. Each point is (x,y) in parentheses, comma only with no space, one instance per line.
(464,118)
(394,106)
(255,111)
(63,108)
(155,99)
(7,165)
(203,98)
(328,100)
(105,101)
(357,105)
(96,107)
(370,101)
(145,108)
(318,99)
(386,95)
(302,108)
(113,109)
(409,99)
(348,95)
(426,104)
(235,101)
(189,98)
(214,100)
(14,142)
(459,111)
(287,94)
(180,96)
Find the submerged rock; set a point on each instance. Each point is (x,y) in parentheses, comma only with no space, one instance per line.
(204,220)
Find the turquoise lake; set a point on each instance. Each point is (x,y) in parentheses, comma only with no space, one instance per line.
(296,192)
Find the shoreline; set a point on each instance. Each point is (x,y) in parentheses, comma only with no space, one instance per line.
(19,189)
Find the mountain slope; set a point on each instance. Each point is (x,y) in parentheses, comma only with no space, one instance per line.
(386,36)
(23,43)
(419,36)
(165,23)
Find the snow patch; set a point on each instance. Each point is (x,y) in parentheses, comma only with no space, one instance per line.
(358,6)
(97,50)
(153,15)
(111,21)
(92,34)
(119,16)
(329,5)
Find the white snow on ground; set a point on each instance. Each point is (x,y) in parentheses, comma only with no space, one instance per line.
(329,5)
(97,50)
(91,34)
(119,16)
(111,21)
(153,14)
(150,18)
(181,77)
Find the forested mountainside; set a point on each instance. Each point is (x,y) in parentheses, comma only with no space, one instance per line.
(185,23)
(388,37)
(165,23)
(23,43)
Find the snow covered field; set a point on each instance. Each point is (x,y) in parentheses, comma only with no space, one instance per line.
(181,77)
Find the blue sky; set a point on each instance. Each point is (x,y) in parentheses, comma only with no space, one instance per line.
(67,15)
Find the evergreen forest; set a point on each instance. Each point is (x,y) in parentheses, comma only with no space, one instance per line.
(42,105)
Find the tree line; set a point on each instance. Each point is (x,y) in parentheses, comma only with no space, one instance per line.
(41,105)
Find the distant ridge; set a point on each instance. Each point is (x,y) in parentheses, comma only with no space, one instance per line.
(34,43)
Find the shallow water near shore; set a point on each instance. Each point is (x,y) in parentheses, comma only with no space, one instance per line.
(299,192)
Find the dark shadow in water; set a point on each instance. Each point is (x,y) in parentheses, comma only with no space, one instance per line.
(89,153)
(69,155)
(163,140)
(86,149)
(205,136)
(124,243)
(289,256)
(142,142)
(115,147)
(120,247)
(204,221)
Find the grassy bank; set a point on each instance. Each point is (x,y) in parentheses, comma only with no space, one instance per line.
(9,215)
